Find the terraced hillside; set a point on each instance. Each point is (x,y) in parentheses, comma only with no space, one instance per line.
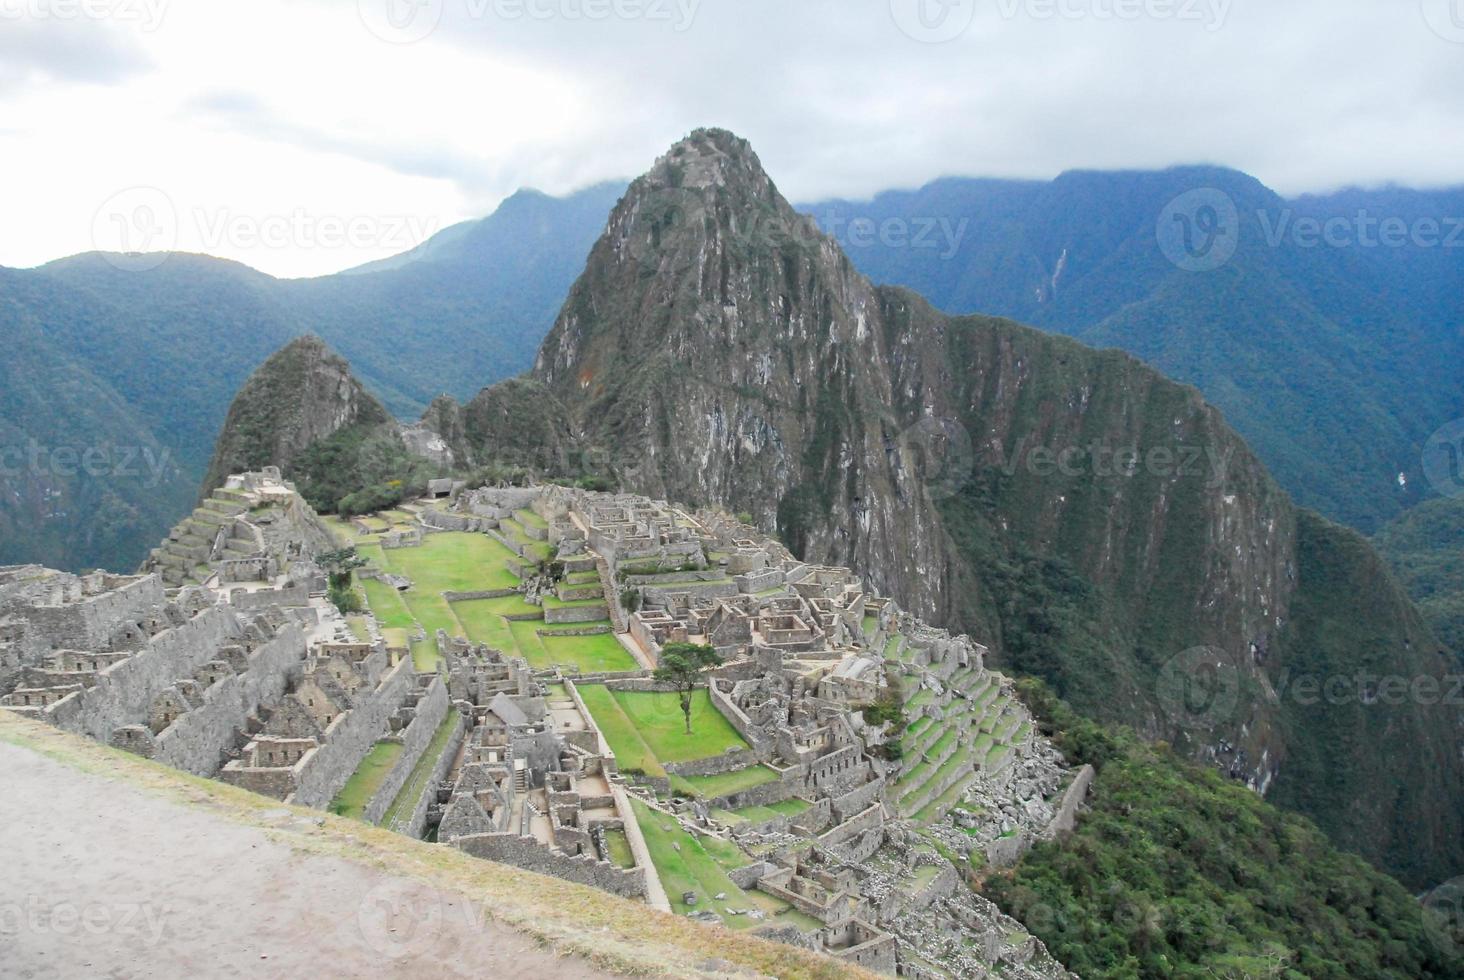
(217,528)
(467,584)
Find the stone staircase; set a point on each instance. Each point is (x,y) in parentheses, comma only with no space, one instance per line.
(211,533)
(612,595)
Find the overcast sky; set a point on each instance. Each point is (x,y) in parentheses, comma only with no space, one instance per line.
(306,136)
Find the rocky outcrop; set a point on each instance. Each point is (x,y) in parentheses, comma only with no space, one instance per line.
(1101,524)
(303,393)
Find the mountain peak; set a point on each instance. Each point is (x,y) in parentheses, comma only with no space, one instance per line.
(302,393)
(706,158)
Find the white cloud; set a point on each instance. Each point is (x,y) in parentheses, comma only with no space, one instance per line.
(297,114)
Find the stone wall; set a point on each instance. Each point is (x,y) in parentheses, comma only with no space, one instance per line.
(197,741)
(1007,851)
(869,819)
(529,854)
(89,622)
(295,595)
(726,762)
(575,614)
(124,692)
(735,716)
(431,710)
(415,823)
(1067,811)
(449,521)
(577,631)
(483,594)
(660,595)
(769,578)
(935,788)
(323,772)
(857,800)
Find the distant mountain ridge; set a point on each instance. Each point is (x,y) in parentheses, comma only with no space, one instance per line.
(104,358)
(1335,364)
(1328,337)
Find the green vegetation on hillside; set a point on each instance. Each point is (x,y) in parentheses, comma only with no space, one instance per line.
(1425,549)
(1178,873)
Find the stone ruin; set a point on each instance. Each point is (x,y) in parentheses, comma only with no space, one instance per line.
(226,660)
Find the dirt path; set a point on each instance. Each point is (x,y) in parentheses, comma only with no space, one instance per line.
(100,879)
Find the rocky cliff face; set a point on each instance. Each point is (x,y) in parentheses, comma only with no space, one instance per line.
(1094,522)
(303,393)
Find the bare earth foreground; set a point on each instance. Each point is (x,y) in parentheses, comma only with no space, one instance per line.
(114,866)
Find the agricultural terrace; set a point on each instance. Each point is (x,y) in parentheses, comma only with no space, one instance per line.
(467,562)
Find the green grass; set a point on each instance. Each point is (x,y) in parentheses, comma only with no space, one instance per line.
(387,604)
(526,638)
(692,863)
(941,803)
(565,630)
(359,629)
(723,784)
(530,519)
(366,780)
(619,847)
(416,783)
(597,652)
(425,657)
(870,624)
(658,719)
(646,730)
(485,625)
(632,754)
(757,814)
(554,602)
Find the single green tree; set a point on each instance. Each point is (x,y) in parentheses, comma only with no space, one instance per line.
(339,565)
(681,666)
